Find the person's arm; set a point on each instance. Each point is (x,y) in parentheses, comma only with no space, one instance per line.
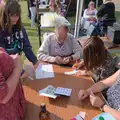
(77,50)
(100,12)
(100,86)
(96,14)
(112,111)
(85,14)
(8,87)
(43,52)
(99,103)
(28,49)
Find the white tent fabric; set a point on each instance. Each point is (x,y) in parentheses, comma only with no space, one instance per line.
(78,17)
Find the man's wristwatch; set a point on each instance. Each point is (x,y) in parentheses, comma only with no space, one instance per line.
(101,108)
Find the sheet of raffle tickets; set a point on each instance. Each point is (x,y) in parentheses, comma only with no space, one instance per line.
(63,91)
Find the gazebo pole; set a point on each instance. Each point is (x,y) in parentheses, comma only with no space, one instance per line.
(78,17)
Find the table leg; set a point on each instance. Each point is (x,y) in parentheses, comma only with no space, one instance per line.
(39,29)
(39,34)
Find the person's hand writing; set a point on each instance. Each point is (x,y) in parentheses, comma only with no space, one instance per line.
(81,73)
(83,94)
(96,101)
(78,65)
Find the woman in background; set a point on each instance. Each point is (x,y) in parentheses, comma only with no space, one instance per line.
(106,14)
(90,14)
(32,7)
(55,6)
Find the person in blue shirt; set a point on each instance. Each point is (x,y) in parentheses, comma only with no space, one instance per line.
(13,36)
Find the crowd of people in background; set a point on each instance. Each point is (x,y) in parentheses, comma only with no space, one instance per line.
(59,48)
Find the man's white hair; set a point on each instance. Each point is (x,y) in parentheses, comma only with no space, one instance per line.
(62,25)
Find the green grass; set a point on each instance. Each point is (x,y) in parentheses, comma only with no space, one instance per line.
(32,32)
(118,16)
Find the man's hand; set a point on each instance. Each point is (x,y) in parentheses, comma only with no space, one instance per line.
(58,60)
(66,60)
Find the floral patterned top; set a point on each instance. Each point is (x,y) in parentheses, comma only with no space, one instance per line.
(14,108)
(113,95)
(105,70)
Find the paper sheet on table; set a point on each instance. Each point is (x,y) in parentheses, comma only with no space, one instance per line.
(82,114)
(49,91)
(71,72)
(44,71)
(63,91)
(106,116)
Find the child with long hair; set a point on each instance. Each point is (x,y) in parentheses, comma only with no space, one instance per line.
(96,60)
(13,36)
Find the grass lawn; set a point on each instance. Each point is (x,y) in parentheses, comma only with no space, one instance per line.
(32,32)
(118,16)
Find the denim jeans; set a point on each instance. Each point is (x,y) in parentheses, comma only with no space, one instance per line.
(33,15)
